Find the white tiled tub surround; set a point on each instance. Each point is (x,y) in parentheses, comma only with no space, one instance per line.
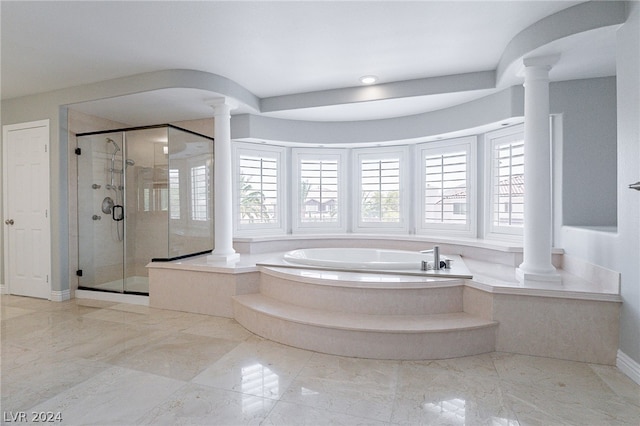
(577,320)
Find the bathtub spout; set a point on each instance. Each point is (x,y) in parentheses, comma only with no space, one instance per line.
(436,256)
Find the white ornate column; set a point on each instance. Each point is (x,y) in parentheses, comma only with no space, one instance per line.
(537,261)
(223,208)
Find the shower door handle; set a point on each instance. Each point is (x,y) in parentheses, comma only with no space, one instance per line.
(119,217)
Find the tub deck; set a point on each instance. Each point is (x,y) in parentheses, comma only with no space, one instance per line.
(458,268)
(383,314)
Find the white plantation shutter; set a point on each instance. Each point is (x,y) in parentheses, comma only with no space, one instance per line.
(446,187)
(259,191)
(258,188)
(318,191)
(445,194)
(380,190)
(174,194)
(507,182)
(380,202)
(199,193)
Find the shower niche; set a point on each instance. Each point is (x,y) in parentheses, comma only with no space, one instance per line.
(144,194)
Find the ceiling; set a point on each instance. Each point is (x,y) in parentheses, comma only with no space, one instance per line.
(274,49)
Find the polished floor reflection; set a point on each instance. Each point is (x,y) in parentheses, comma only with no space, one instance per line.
(102,363)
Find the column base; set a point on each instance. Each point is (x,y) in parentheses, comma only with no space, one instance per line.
(223,257)
(551,276)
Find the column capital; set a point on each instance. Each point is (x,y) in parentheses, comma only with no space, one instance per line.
(547,61)
(222,105)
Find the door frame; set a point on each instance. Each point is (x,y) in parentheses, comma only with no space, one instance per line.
(6,287)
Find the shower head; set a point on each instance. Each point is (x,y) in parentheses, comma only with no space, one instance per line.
(109,140)
(130,162)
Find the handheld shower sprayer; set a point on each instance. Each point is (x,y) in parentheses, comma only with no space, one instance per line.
(109,140)
(113,161)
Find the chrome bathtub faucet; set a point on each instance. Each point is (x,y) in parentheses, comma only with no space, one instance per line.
(436,256)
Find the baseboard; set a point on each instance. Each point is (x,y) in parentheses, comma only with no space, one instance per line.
(60,295)
(132,299)
(628,366)
(4,289)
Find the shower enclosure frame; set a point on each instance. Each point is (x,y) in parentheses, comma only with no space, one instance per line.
(122,187)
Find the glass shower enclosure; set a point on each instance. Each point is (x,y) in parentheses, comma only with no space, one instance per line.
(144,194)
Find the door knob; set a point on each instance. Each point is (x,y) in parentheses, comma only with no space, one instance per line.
(9,222)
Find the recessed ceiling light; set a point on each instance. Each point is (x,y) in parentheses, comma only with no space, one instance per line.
(368,79)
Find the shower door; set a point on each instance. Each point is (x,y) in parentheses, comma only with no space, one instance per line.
(144,194)
(101,212)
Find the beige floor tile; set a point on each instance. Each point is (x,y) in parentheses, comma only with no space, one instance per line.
(290,414)
(200,405)
(179,356)
(118,364)
(256,367)
(114,396)
(358,387)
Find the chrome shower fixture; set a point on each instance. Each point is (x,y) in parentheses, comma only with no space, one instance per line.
(109,140)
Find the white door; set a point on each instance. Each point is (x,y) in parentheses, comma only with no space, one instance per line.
(27,255)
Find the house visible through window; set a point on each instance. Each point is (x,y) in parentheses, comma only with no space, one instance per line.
(445,194)
(507,181)
(318,190)
(447,191)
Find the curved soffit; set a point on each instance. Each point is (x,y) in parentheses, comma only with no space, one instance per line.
(582,18)
(571,32)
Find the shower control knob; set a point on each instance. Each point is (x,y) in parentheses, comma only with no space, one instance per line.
(96,217)
(9,222)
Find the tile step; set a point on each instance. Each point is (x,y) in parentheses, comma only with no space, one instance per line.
(432,323)
(398,337)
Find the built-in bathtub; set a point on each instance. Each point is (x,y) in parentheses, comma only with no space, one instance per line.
(385,261)
(332,309)
(358,258)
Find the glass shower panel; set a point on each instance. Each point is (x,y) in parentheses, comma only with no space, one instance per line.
(101,212)
(190,177)
(144,194)
(147,203)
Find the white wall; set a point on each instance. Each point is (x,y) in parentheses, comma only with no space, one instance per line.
(588,109)
(628,255)
(619,248)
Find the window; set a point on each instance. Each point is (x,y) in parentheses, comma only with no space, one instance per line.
(380,200)
(199,193)
(506,162)
(319,193)
(446,186)
(442,197)
(258,191)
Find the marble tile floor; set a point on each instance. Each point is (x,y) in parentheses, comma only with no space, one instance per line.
(104,363)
